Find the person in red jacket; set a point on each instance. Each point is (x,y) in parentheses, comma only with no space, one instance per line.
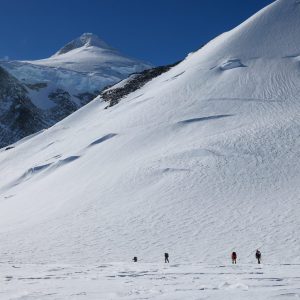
(233,257)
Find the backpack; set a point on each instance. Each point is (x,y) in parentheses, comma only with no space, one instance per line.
(233,255)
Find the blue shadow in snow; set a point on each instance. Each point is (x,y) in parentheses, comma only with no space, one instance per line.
(195,120)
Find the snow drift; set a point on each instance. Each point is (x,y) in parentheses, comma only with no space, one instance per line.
(200,161)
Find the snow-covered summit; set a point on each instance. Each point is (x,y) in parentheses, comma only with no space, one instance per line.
(89,53)
(87,40)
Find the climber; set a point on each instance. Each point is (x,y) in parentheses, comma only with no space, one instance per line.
(258,256)
(233,257)
(166,257)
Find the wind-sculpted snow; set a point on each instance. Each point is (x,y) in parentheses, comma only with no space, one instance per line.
(103,139)
(149,281)
(195,120)
(204,162)
(231,64)
(33,172)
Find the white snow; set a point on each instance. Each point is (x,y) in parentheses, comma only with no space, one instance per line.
(92,59)
(231,64)
(149,281)
(199,162)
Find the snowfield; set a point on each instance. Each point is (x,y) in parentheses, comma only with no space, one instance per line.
(149,281)
(201,161)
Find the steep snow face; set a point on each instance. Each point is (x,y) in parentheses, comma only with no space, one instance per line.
(200,161)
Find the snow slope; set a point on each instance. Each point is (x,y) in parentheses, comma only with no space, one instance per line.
(199,162)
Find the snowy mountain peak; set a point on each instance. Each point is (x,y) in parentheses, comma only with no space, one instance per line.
(85,40)
(88,53)
(42,92)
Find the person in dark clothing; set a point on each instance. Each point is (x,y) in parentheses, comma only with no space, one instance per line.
(258,256)
(166,257)
(233,257)
(135,259)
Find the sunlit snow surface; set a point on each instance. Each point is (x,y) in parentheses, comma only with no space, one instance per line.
(199,162)
(149,281)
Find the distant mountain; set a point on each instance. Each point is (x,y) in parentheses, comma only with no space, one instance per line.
(59,85)
(89,53)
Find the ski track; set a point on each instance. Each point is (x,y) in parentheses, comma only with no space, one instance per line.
(149,281)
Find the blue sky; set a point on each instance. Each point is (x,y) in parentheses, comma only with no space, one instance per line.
(158,31)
